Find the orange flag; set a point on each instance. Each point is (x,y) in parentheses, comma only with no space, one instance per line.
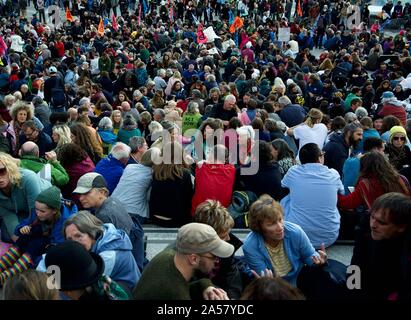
(101,27)
(237,24)
(69,17)
(299,10)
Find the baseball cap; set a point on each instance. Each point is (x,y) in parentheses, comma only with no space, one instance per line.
(202,238)
(89,181)
(53,69)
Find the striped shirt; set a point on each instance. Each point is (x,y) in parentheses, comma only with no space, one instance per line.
(279,260)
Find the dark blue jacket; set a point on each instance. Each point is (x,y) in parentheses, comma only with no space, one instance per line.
(111,169)
(56,235)
(44,142)
(292,115)
(336,152)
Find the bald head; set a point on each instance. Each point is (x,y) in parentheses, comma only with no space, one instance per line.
(29,148)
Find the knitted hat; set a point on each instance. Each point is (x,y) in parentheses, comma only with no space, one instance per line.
(387,95)
(397,130)
(51,197)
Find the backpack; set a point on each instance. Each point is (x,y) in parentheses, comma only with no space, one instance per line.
(58,97)
(240,206)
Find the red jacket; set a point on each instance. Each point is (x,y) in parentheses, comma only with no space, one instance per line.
(366,192)
(215,182)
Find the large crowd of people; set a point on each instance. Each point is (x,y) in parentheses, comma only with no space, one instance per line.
(282,117)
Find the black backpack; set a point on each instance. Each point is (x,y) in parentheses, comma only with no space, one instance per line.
(58,97)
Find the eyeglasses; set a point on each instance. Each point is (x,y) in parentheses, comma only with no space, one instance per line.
(29,134)
(398,138)
(3,171)
(213,257)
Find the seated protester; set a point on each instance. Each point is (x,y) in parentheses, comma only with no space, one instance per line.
(76,162)
(227,275)
(290,114)
(277,245)
(214,179)
(171,189)
(108,137)
(169,274)
(30,159)
(267,180)
(368,132)
(112,167)
(339,146)
(191,117)
(83,274)
(30,132)
(391,106)
(283,155)
(398,152)
(377,177)
(93,195)
(112,244)
(261,134)
(312,201)
(128,129)
(351,168)
(19,189)
(381,250)
(226,110)
(41,229)
(311,131)
(82,136)
(138,146)
(133,189)
(271,288)
(29,285)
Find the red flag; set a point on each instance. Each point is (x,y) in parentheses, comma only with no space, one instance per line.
(114,22)
(69,17)
(237,24)
(299,10)
(201,37)
(101,26)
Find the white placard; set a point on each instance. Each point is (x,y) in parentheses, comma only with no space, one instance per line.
(284,34)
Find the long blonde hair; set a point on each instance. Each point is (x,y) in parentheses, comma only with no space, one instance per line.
(314,116)
(64,134)
(12,166)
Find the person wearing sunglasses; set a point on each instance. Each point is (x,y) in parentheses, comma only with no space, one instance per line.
(19,189)
(398,151)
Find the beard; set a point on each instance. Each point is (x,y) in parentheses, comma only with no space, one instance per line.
(354,143)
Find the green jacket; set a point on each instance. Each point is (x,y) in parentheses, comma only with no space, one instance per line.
(22,198)
(161,280)
(59,176)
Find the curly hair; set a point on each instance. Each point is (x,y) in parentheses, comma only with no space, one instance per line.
(21,105)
